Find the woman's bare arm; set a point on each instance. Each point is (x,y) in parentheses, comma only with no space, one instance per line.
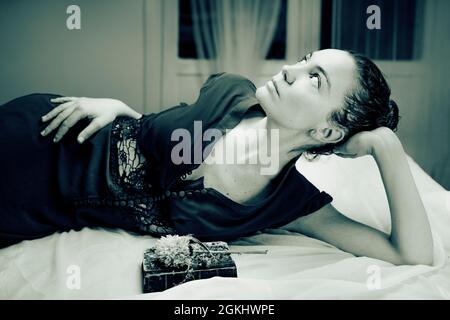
(410,241)
(411,232)
(329,225)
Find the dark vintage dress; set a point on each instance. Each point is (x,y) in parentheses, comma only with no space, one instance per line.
(123,176)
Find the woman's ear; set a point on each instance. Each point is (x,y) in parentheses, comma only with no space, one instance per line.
(327,134)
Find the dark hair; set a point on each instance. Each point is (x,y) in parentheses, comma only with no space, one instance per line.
(366,108)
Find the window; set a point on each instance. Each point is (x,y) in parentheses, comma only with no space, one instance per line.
(186,43)
(344,26)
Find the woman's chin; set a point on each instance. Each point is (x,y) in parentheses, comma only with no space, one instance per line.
(259,92)
(263,95)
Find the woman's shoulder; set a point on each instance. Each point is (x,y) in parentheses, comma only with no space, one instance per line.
(225,80)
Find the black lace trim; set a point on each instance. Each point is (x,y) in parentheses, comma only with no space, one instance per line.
(128,166)
(129,171)
(130,190)
(142,214)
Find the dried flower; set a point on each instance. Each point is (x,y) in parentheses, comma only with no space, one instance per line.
(173,251)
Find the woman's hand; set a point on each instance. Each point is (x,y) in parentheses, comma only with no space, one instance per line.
(73,109)
(365,143)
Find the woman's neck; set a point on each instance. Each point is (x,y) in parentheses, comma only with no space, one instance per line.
(270,141)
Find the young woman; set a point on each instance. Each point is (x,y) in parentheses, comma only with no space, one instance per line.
(114,167)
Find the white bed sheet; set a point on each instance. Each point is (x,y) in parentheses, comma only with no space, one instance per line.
(296,267)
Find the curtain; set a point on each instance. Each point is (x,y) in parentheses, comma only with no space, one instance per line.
(234,35)
(436,105)
(400,28)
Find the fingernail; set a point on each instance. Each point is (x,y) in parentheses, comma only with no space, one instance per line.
(55,139)
(80,140)
(43,132)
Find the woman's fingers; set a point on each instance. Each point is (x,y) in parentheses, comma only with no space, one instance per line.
(342,155)
(92,128)
(57,121)
(68,123)
(346,155)
(62,99)
(56,111)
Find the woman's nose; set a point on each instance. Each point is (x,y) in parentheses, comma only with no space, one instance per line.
(287,74)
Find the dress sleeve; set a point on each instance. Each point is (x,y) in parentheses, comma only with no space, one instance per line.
(303,197)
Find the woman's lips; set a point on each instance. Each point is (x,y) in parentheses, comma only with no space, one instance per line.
(276,87)
(274,84)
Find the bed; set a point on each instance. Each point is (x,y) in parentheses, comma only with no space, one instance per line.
(107,262)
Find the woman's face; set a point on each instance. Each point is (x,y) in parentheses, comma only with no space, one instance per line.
(302,95)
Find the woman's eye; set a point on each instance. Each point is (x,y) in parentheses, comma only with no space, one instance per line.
(315,78)
(302,60)
(305,58)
